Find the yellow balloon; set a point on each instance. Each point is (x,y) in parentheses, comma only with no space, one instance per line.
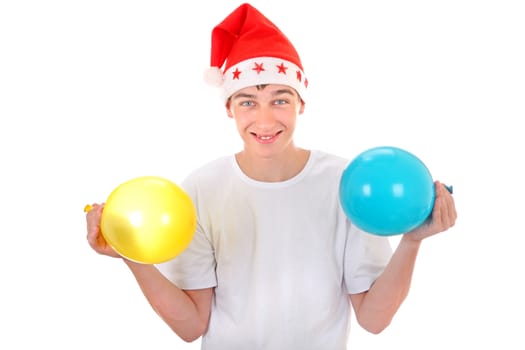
(148,220)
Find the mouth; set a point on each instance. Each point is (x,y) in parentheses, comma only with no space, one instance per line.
(266,138)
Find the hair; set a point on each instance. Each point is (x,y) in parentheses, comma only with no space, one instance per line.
(261,87)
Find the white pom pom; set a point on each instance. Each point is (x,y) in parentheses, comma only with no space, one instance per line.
(213,76)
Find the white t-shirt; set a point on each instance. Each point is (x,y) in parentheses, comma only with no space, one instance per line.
(282,257)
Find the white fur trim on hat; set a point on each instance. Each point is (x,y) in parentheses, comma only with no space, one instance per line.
(263,70)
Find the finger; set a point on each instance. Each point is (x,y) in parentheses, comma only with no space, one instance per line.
(439,213)
(447,207)
(452,212)
(93,222)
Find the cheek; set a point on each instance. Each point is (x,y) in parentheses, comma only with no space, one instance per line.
(241,123)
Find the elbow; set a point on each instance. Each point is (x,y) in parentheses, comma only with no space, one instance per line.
(189,338)
(191,334)
(374,325)
(376,329)
(187,330)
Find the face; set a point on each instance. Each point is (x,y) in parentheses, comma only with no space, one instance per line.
(265,118)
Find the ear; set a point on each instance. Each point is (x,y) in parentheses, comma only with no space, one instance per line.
(228,110)
(301,108)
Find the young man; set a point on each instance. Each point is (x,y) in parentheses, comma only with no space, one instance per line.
(274,263)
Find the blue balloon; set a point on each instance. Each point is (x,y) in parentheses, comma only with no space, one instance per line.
(386,191)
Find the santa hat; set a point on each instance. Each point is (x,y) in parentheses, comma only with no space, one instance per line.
(247,49)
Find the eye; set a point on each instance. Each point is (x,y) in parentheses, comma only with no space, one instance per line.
(280,101)
(246,103)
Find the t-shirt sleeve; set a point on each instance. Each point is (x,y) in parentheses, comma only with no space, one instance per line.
(195,267)
(366,256)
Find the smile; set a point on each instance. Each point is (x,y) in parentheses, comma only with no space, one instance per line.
(266,138)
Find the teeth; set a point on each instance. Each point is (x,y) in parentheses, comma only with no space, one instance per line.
(265,137)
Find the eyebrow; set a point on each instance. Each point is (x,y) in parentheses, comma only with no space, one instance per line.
(275,93)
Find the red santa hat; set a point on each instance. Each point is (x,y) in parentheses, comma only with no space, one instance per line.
(247,49)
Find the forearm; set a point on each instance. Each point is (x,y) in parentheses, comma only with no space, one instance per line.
(172,304)
(379,305)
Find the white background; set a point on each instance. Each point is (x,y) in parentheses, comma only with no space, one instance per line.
(93,93)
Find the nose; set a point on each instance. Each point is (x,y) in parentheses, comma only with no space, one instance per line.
(265,119)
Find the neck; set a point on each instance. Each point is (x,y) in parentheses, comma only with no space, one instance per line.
(275,168)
